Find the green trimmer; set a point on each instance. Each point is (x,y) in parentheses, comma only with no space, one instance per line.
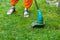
(39,22)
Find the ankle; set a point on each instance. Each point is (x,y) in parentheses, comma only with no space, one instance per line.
(12,6)
(25,10)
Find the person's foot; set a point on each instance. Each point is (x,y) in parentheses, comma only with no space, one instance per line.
(12,9)
(26,13)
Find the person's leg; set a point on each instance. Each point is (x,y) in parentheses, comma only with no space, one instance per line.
(12,9)
(27,4)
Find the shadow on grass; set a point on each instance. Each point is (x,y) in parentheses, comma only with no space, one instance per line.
(39,26)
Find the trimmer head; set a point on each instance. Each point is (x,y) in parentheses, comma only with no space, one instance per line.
(35,24)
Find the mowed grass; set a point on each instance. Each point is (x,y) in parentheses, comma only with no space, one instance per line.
(16,27)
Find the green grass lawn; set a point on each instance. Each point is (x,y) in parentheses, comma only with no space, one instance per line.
(16,27)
